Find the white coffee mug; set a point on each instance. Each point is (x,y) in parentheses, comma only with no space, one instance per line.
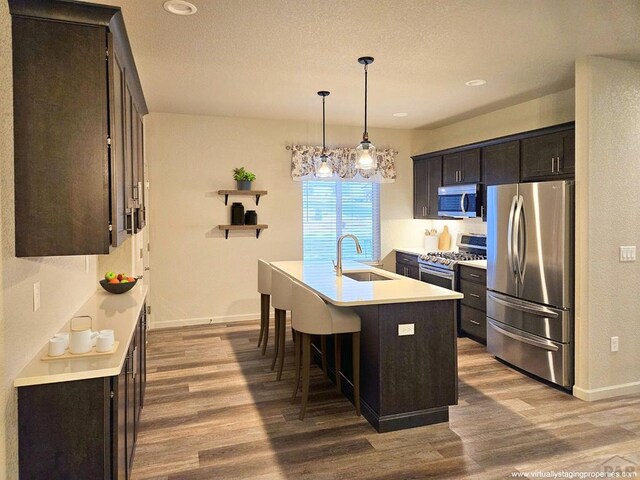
(108,332)
(104,342)
(65,337)
(56,346)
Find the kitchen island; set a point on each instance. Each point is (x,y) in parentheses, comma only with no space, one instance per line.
(408,355)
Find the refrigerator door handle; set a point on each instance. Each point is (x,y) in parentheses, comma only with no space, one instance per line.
(536,343)
(520,227)
(528,308)
(510,257)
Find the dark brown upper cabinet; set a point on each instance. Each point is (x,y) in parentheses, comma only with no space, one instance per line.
(71,65)
(501,163)
(427,177)
(549,156)
(461,167)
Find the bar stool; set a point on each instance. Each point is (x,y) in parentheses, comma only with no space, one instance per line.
(281,296)
(264,287)
(310,315)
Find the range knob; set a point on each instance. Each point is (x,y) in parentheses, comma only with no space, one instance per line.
(445,261)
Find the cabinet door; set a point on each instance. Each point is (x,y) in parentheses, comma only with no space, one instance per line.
(420,179)
(539,155)
(119,423)
(117,150)
(61,172)
(451,169)
(470,166)
(434,181)
(142,348)
(141,217)
(566,164)
(130,411)
(501,163)
(130,173)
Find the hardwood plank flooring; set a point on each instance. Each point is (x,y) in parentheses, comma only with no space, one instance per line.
(213,410)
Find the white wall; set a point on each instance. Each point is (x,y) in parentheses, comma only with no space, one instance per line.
(607,216)
(197,274)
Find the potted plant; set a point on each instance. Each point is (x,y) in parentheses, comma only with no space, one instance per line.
(243,178)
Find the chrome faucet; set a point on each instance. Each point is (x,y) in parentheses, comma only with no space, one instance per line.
(338,264)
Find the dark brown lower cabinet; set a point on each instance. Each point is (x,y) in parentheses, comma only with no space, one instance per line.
(84,429)
(407,265)
(473,307)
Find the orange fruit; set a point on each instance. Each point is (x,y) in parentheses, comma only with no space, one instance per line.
(114,280)
(131,279)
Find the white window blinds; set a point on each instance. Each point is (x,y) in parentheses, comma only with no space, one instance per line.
(332,208)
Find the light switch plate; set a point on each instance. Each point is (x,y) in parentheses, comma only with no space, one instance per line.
(36,296)
(406,329)
(615,344)
(628,254)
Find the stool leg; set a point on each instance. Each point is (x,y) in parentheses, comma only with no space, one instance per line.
(323,345)
(283,334)
(264,313)
(306,361)
(298,351)
(336,357)
(356,371)
(275,340)
(266,325)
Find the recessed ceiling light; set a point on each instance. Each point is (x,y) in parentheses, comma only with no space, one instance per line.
(180,7)
(475,83)
(400,114)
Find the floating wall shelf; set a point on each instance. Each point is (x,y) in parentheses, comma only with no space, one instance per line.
(245,193)
(257,228)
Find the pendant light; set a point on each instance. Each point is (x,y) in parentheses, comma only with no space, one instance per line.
(323,170)
(365,152)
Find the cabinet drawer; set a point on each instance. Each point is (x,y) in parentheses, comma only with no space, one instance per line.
(407,259)
(473,322)
(475,295)
(472,274)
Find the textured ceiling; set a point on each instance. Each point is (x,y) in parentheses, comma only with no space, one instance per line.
(268,58)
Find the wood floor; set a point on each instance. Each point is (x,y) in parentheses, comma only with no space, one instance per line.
(214,411)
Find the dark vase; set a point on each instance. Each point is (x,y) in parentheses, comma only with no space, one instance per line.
(237,214)
(244,184)
(251,217)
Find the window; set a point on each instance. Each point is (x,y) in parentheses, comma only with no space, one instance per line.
(330,209)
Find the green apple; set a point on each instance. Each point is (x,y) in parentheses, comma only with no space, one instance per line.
(124,280)
(109,276)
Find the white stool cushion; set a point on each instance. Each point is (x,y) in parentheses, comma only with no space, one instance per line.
(281,295)
(264,277)
(310,314)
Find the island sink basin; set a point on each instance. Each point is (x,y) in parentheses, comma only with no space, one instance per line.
(365,276)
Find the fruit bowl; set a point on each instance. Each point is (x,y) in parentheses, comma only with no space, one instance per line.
(117,287)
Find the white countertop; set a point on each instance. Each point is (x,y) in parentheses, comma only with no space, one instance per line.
(412,250)
(117,312)
(345,292)
(474,263)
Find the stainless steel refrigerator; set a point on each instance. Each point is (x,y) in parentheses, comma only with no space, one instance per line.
(530,260)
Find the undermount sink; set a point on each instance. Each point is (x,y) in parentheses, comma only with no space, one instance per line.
(366,276)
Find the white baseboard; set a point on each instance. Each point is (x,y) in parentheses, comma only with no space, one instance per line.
(606,392)
(186,322)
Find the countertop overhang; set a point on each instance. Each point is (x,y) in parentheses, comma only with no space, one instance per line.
(109,311)
(343,291)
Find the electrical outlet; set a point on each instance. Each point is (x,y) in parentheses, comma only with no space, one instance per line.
(628,254)
(615,344)
(36,296)
(406,329)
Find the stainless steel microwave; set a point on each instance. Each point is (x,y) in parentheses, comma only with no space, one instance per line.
(461,201)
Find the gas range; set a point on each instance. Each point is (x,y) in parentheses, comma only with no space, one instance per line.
(471,246)
(448,260)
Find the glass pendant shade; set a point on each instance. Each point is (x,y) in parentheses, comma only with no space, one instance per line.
(366,155)
(324,170)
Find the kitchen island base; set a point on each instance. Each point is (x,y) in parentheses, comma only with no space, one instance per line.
(407,380)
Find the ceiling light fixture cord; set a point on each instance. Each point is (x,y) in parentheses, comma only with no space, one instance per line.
(365,136)
(324,148)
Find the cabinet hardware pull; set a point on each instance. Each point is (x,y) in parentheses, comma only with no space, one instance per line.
(558,164)
(474,275)
(482,211)
(553,164)
(474,295)
(474,322)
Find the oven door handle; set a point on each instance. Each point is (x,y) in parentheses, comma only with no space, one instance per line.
(448,276)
